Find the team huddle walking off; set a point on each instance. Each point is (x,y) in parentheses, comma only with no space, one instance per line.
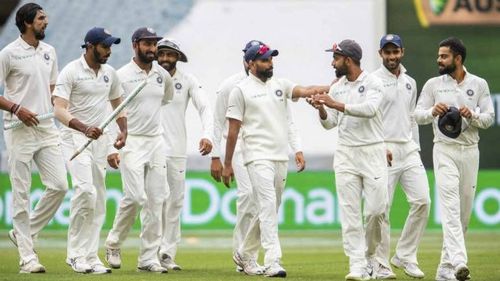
(377,115)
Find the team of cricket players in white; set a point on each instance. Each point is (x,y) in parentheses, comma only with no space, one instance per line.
(376,115)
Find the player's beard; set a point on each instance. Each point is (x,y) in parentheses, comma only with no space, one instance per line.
(447,69)
(168,66)
(392,65)
(146,57)
(39,34)
(265,73)
(102,59)
(341,71)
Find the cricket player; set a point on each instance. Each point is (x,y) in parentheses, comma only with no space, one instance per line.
(353,105)
(455,157)
(28,71)
(173,117)
(80,101)
(245,206)
(259,104)
(142,161)
(401,140)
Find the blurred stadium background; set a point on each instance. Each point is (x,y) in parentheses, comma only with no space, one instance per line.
(212,33)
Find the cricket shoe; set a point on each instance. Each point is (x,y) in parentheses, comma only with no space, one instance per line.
(249,266)
(99,268)
(32,266)
(410,269)
(462,272)
(154,268)
(275,270)
(358,275)
(167,262)
(113,258)
(79,265)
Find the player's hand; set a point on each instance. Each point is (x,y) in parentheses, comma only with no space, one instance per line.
(314,104)
(205,146)
(227,175)
(324,99)
(216,169)
(465,112)
(300,161)
(114,160)
(439,109)
(121,139)
(388,155)
(93,132)
(27,117)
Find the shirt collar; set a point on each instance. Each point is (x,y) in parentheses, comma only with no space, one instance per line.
(402,70)
(25,45)
(137,69)
(85,64)
(360,78)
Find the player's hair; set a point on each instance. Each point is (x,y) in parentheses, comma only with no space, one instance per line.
(456,46)
(26,14)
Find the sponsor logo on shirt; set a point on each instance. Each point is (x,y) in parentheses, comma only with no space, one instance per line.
(259,95)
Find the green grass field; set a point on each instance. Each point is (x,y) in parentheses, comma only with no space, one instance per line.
(207,256)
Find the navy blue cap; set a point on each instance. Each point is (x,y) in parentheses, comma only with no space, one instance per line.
(100,35)
(252,43)
(391,38)
(347,48)
(450,124)
(145,33)
(260,52)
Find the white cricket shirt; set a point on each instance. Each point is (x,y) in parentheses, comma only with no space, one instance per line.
(144,111)
(186,87)
(472,92)
(398,105)
(262,109)
(26,73)
(361,122)
(87,93)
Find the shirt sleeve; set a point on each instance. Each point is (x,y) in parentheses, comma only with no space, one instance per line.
(200,102)
(219,119)
(64,84)
(423,110)
(168,91)
(332,115)
(116,90)
(370,106)
(293,135)
(236,105)
(4,66)
(413,103)
(484,118)
(288,87)
(55,70)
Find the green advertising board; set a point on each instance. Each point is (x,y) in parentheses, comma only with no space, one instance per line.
(309,203)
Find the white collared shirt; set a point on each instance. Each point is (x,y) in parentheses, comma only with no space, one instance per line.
(87,93)
(398,105)
(361,122)
(144,111)
(185,87)
(27,73)
(262,109)
(472,92)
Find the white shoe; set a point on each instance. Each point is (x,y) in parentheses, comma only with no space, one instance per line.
(445,273)
(358,275)
(275,270)
(33,266)
(79,265)
(380,271)
(462,272)
(167,262)
(410,269)
(99,268)
(113,258)
(249,266)
(239,268)
(154,268)
(12,237)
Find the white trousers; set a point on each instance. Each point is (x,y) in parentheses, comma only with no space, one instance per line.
(407,169)
(268,179)
(246,208)
(41,145)
(361,172)
(172,207)
(88,204)
(144,178)
(455,168)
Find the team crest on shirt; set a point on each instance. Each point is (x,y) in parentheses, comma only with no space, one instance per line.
(361,89)
(178,86)
(46,56)
(470,92)
(159,79)
(408,86)
(105,78)
(279,93)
